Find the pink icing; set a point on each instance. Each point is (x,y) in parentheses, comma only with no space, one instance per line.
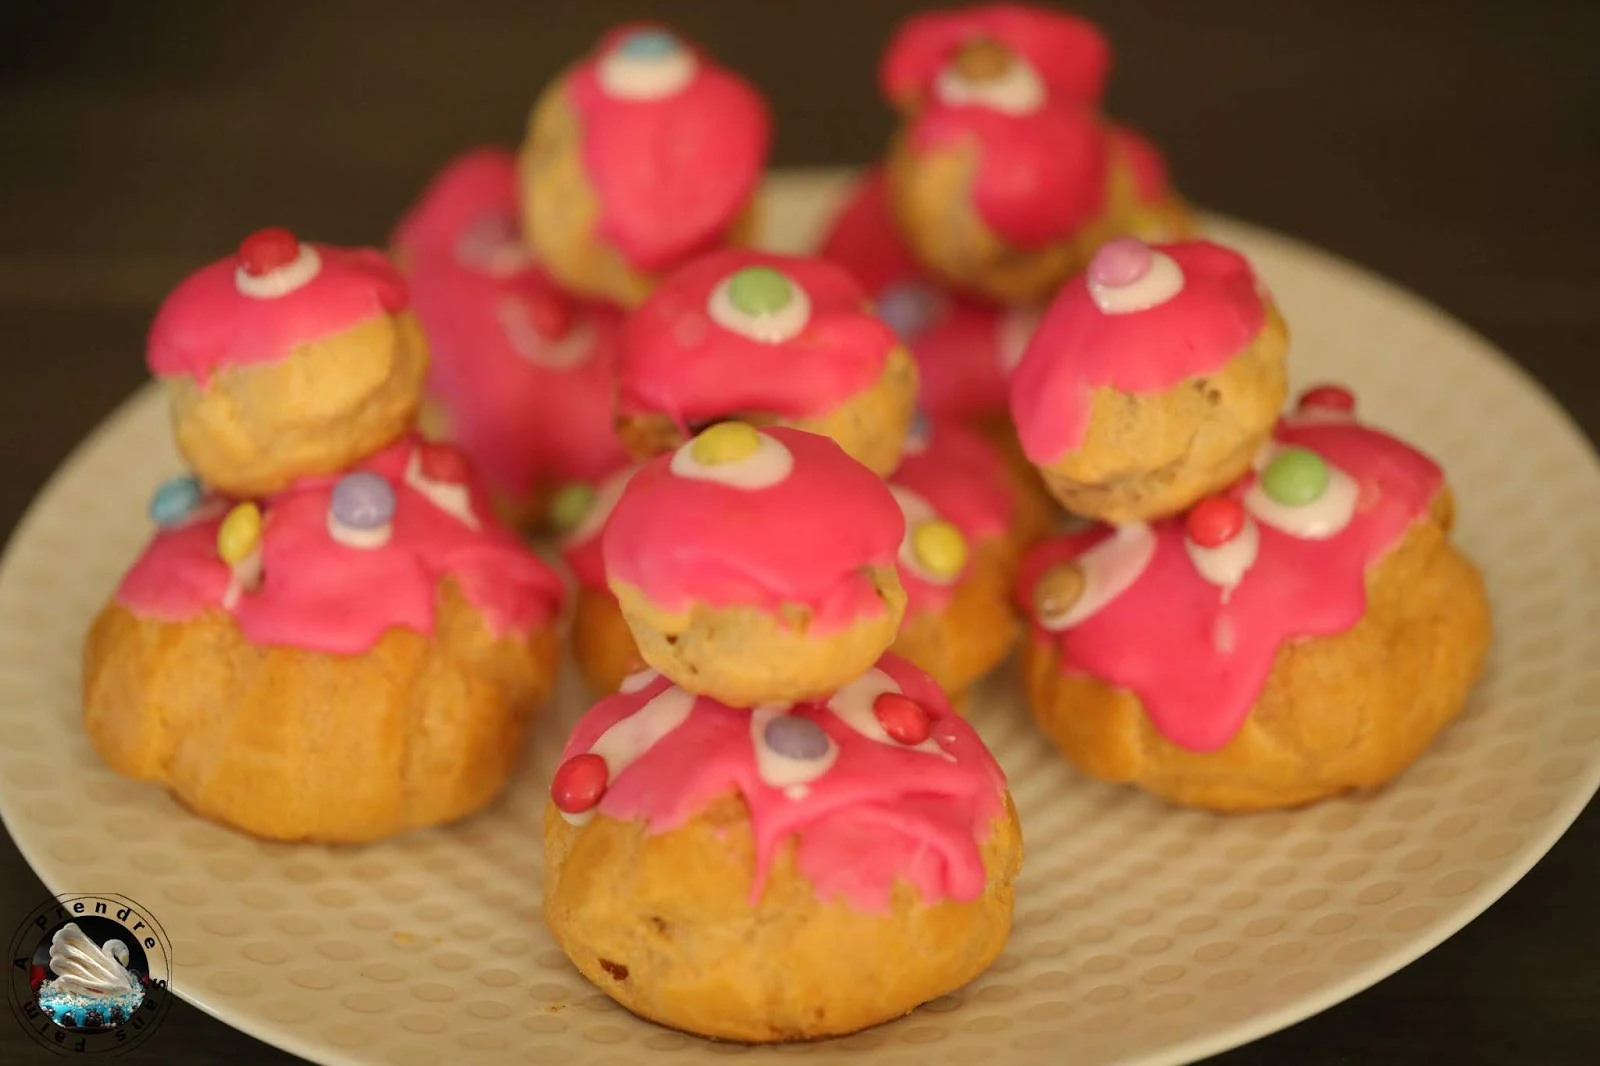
(806,540)
(672,174)
(675,360)
(1079,348)
(319,595)
(881,813)
(207,324)
(958,347)
(1144,163)
(963,476)
(1070,54)
(525,406)
(963,479)
(1041,177)
(478,184)
(1163,638)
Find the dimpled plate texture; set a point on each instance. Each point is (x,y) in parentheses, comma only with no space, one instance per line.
(1144,934)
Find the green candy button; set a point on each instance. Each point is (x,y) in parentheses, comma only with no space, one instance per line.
(1295,477)
(569,505)
(760,291)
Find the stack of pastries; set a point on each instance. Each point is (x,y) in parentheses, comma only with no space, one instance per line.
(805,502)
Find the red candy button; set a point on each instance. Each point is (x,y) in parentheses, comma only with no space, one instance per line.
(579,783)
(1328,398)
(443,463)
(266,250)
(1213,522)
(550,317)
(902,718)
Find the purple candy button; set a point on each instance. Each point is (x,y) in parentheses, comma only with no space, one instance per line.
(1119,262)
(363,501)
(907,308)
(796,738)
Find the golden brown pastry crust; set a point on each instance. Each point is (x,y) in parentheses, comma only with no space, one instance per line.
(974,632)
(251,430)
(602,643)
(870,426)
(289,744)
(1153,454)
(664,925)
(561,212)
(1337,713)
(744,657)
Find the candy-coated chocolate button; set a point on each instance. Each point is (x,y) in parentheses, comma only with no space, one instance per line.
(1120,262)
(1057,589)
(1328,398)
(363,500)
(175,500)
(266,250)
(442,463)
(569,505)
(983,59)
(1295,477)
(907,308)
(796,738)
(760,290)
(725,442)
(579,783)
(240,534)
(902,718)
(648,44)
(940,547)
(1213,522)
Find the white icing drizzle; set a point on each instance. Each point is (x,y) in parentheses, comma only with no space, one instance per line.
(606,496)
(774,328)
(1226,564)
(637,681)
(780,771)
(763,468)
(1012,334)
(490,246)
(1320,519)
(636,734)
(917,510)
(1223,637)
(281,281)
(1161,282)
(646,77)
(1109,569)
(242,577)
(565,353)
(363,539)
(852,703)
(450,498)
(1018,91)
(1265,454)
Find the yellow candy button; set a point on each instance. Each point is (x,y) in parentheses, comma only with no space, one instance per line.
(940,547)
(725,442)
(240,534)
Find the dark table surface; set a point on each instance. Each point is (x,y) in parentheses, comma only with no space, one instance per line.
(1452,146)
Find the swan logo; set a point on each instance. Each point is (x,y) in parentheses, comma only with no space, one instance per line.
(90,974)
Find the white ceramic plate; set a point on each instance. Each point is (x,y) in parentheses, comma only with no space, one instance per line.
(1144,934)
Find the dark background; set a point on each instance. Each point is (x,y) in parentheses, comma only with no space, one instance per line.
(1454,146)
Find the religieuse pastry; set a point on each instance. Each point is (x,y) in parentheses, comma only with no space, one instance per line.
(523,375)
(766,339)
(757,565)
(1304,631)
(643,155)
(793,867)
(1004,176)
(1152,381)
(287,359)
(349,655)
(958,558)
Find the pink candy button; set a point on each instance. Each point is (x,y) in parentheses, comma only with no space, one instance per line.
(1120,262)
